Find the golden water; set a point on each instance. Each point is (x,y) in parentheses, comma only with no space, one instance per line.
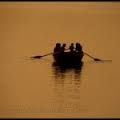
(34,88)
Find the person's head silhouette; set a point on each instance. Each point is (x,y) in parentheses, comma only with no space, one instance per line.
(58,44)
(64,45)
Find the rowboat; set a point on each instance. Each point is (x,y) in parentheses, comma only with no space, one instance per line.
(68,58)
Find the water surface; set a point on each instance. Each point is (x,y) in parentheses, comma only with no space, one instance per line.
(37,88)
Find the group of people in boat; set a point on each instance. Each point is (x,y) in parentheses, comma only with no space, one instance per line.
(60,48)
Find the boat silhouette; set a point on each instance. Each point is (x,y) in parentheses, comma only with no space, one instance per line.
(68,59)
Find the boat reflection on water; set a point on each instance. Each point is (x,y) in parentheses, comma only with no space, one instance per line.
(66,86)
(60,71)
(67,62)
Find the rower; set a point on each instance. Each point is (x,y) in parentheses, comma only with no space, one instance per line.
(71,47)
(78,47)
(57,48)
(63,47)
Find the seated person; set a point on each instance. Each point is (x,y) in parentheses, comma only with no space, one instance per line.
(63,47)
(71,47)
(78,47)
(57,48)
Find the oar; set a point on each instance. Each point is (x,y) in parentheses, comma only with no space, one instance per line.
(95,59)
(38,57)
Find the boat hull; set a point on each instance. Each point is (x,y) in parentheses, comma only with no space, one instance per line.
(68,58)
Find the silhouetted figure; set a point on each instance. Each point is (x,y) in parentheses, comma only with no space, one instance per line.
(78,47)
(71,47)
(57,48)
(63,47)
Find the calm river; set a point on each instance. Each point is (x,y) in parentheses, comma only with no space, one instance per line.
(37,88)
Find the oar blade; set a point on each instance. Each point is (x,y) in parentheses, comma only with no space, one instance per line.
(36,57)
(97,59)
